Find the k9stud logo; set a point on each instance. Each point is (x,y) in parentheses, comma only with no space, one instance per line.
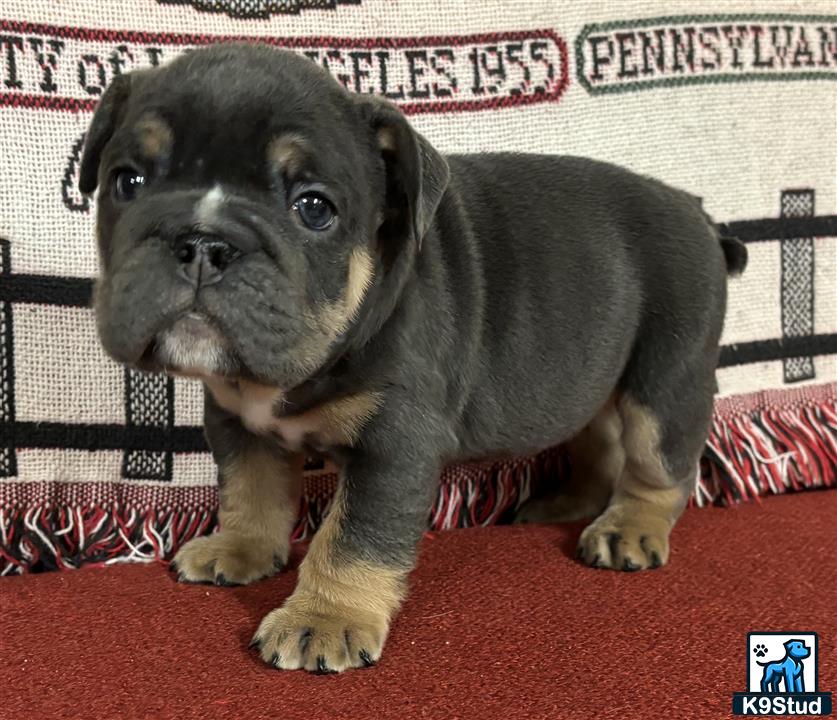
(782,676)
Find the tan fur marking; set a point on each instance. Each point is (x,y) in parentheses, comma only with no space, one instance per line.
(334,423)
(328,321)
(252,402)
(354,585)
(155,136)
(598,448)
(361,274)
(335,317)
(288,152)
(344,605)
(387,139)
(259,493)
(632,533)
(644,473)
(259,504)
(342,420)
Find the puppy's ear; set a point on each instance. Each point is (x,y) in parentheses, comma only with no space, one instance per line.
(417,174)
(104,122)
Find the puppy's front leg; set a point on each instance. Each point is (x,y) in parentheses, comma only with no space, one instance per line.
(353,578)
(260,486)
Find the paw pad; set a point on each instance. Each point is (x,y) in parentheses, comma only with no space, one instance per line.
(760,650)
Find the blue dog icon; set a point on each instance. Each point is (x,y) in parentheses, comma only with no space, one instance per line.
(789,669)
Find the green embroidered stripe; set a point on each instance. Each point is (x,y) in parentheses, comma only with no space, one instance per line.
(726,77)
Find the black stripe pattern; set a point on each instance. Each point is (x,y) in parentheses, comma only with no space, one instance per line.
(149,402)
(8,454)
(781,228)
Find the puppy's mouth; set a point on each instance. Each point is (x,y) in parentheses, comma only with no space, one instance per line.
(192,346)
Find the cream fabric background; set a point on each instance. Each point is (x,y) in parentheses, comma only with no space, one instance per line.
(738,145)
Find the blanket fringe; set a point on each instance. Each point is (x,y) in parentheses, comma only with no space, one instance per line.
(769,452)
(748,455)
(45,536)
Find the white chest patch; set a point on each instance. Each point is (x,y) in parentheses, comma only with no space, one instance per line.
(254,404)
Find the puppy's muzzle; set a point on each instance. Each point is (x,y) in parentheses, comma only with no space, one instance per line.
(203,257)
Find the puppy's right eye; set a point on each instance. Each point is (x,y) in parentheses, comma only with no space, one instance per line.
(127,183)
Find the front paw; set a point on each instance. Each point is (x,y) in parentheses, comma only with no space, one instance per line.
(319,637)
(228,558)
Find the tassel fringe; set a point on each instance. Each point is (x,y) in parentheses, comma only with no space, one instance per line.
(748,455)
(769,452)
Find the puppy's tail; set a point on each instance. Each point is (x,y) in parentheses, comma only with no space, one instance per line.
(735,253)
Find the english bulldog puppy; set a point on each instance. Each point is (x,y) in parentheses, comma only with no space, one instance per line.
(342,288)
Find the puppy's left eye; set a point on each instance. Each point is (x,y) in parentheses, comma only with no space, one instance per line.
(314,210)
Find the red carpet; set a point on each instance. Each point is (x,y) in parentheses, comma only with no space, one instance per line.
(501,623)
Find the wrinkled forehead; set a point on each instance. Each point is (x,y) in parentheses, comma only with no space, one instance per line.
(241,128)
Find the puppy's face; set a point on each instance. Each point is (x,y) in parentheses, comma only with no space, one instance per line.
(249,212)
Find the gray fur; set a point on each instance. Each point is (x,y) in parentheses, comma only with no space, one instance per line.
(496,325)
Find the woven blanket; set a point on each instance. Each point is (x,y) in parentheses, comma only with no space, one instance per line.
(734,101)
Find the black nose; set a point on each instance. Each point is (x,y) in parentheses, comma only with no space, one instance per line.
(203,258)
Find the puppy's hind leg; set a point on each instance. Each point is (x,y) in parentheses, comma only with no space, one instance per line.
(665,402)
(664,431)
(596,463)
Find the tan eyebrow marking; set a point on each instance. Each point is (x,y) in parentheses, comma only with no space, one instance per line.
(155,136)
(288,152)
